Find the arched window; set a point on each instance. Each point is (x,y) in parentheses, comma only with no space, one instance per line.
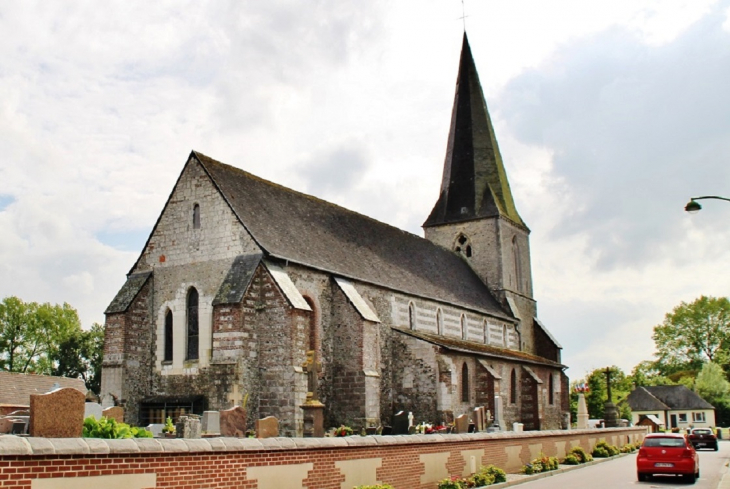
(465,383)
(513,387)
(463,245)
(464,332)
(196,216)
(439,321)
(412,316)
(311,340)
(168,337)
(517,263)
(193,329)
(551,389)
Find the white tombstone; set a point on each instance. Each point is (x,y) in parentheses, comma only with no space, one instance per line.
(211,422)
(155,429)
(582,412)
(107,401)
(410,419)
(517,427)
(92,409)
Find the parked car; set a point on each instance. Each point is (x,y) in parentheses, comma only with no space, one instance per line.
(703,438)
(667,454)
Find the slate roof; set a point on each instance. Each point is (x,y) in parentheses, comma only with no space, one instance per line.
(456,344)
(128,292)
(474,181)
(236,282)
(665,398)
(15,388)
(300,228)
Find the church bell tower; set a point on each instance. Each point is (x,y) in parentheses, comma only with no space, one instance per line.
(475,214)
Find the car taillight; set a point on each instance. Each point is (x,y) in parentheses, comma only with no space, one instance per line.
(642,452)
(688,453)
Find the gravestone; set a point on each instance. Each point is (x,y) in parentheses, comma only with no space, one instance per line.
(6,425)
(400,423)
(211,422)
(410,419)
(498,416)
(57,414)
(387,430)
(107,401)
(479,419)
(267,427)
(92,409)
(188,426)
(233,422)
(155,429)
(115,412)
(461,424)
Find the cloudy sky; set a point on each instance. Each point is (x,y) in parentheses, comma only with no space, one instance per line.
(610,115)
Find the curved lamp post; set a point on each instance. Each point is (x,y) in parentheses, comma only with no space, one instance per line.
(693,206)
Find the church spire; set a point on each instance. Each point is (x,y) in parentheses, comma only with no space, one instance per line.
(474,183)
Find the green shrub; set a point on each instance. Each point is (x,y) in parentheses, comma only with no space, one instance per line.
(603,450)
(498,474)
(600,452)
(629,448)
(571,459)
(481,479)
(581,454)
(109,428)
(453,483)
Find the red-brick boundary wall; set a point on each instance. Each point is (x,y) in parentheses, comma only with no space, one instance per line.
(406,462)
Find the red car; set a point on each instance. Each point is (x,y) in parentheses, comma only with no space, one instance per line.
(667,453)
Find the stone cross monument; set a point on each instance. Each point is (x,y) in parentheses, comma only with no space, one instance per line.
(313,408)
(610,412)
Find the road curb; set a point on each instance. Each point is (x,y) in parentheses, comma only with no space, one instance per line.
(561,469)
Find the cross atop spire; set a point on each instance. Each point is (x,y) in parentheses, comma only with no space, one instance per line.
(474,183)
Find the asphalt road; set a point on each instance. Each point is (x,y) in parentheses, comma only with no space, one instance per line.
(621,472)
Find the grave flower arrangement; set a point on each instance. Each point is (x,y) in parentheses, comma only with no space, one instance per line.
(427,429)
(343,431)
(169,426)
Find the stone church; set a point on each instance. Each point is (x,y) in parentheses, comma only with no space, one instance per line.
(241,281)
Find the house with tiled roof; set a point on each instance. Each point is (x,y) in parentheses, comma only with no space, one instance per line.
(16,388)
(674,406)
(247,292)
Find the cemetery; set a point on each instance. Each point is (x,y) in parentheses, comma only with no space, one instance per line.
(215,450)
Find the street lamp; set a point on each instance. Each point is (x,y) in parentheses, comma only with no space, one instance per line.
(694,207)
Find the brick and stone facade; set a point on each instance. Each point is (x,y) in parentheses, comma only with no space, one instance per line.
(405,462)
(242,282)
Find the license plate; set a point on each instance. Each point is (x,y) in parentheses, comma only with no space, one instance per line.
(662,464)
(701,444)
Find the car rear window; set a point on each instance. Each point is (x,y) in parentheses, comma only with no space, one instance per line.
(663,442)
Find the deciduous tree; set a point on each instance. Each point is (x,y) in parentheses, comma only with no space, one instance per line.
(693,334)
(48,339)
